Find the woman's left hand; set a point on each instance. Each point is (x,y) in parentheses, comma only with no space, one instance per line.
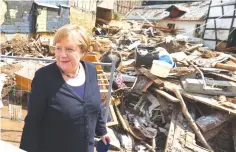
(105,139)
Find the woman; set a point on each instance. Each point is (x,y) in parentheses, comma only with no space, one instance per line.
(64,109)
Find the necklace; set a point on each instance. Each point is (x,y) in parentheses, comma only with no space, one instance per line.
(74,76)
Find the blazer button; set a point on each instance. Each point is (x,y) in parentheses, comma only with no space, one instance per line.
(86,126)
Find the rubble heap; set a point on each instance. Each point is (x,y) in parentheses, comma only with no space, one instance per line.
(190,109)
(20,46)
(186,101)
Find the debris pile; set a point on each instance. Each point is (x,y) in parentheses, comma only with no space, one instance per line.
(170,93)
(19,46)
(188,105)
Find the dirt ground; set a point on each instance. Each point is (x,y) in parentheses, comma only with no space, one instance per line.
(11,130)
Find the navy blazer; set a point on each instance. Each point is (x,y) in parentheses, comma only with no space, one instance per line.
(58,120)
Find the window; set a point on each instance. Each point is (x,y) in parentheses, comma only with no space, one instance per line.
(197,30)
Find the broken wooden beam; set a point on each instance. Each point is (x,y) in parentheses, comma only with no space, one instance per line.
(165,94)
(225,66)
(154,78)
(191,121)
(179,137)
(209,122)
(125,125)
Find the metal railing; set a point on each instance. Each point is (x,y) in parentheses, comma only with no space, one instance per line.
(112,65)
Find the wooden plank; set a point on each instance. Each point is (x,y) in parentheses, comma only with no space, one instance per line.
(141,84)
(114,118)
(224,76)
(225,66)
(165,94)
(154,78)
(205,99)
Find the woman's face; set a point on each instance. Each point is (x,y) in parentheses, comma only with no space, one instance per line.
(68,54)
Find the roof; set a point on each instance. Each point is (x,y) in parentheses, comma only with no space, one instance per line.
(195,11)
(46,5)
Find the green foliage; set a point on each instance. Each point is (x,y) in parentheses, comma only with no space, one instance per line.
(116,16)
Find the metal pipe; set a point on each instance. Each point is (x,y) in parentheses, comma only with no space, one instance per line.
(109,90)
(44,59)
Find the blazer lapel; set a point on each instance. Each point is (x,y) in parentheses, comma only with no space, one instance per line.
(87,90)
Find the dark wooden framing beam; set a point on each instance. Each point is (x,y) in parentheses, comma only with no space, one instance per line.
(206,20)
(210,39)
(221,17)
(217,29)
(231,27)
(215,33)
(222,5)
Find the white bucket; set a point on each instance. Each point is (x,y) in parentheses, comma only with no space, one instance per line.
(160,68)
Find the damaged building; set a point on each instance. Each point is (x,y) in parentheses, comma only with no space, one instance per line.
(30,17)
(181,18)
(220,31)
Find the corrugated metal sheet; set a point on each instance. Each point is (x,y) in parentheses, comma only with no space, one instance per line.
(197,11)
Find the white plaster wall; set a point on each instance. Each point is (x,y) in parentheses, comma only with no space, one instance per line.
(234,25)
(209,34)
(215,12)
(210,23)
(229,10)
(188,27)
(224,23)
(209,44)
(222,34)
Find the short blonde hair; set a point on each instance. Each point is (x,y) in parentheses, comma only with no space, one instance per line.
(81,37)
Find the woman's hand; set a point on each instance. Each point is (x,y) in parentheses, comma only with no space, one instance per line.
(105,139)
